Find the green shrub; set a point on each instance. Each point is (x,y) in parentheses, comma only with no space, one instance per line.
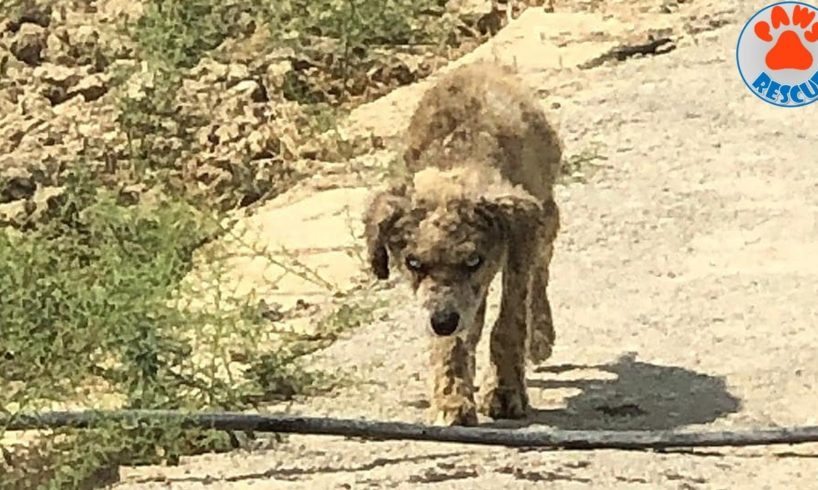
(91,305)
(177,33)
(91,298)
(90,285)
(357,23)
(338,36)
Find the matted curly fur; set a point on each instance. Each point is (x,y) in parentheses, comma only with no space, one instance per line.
(483,160)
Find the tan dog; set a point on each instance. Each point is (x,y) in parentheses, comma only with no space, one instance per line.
(483,160)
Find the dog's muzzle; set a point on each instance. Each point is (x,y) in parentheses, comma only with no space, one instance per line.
(445,322)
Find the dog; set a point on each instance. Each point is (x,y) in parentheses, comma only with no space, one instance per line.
(481,160)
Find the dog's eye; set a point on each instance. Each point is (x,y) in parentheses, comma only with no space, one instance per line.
(414,264)
(473,262)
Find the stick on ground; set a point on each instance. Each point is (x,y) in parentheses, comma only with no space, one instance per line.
(543,438)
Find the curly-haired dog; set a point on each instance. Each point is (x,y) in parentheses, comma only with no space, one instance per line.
(483,160)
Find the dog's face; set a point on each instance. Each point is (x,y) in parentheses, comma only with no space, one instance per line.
(450,256)
(450,251)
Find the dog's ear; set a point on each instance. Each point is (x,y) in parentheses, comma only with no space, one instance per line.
(379,220)
(517,214)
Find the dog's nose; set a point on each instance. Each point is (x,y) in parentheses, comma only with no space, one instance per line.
(445,322)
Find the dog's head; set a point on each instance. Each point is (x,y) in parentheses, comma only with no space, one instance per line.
(450,248)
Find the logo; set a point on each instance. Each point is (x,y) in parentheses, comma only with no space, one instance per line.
(777,54)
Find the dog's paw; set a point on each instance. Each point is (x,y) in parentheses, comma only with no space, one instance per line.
(463,415)
(539,350)
(504,403)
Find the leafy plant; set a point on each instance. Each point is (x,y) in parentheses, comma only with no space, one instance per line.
(177,33)
(91,305)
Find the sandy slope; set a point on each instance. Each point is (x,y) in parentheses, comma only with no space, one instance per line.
(683,290)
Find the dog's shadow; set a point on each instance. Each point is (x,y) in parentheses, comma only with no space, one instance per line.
(631,395)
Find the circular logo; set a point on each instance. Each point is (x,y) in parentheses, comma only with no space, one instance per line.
(777,54)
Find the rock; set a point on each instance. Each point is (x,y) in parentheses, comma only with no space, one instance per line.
(140,81)
(271,312)
(92,87)
(11,134)
(126,10)
(227,132)
(16,184)
(14,213)
(208,71)
(59,81)
(33,103)
(209,174)
(12,68)
(56,95)
(69,110)
(57,49)
(123,65)
(36,209)
(6,107)
(310,230)
(251,90)
(261,143)
(85,48)
(236,73)
(28,43)
(84,36)
(45,202)
(275,74)
(131,194)
(38,13)
(60,76)
(468,7)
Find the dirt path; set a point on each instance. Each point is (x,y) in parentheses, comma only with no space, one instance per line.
(683,290)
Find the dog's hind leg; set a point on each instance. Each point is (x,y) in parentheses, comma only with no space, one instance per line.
(453,370)
(541,334)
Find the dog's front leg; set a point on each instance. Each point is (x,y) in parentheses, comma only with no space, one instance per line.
(452,360)
(503,392)
(453,369)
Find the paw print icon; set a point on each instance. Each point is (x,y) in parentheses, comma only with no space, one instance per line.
(777,54)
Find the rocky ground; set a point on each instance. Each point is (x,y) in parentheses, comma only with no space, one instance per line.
(79,87)
(682,287)
(72,76)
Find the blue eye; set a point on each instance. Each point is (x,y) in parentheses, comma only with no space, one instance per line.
(473,262)
(414,264)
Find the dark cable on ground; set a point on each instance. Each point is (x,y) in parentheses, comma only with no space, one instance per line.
(529,437)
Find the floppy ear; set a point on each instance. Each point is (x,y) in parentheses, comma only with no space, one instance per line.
(380,217)
(520,215)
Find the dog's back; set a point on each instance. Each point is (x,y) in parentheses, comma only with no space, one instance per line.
(482,115)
